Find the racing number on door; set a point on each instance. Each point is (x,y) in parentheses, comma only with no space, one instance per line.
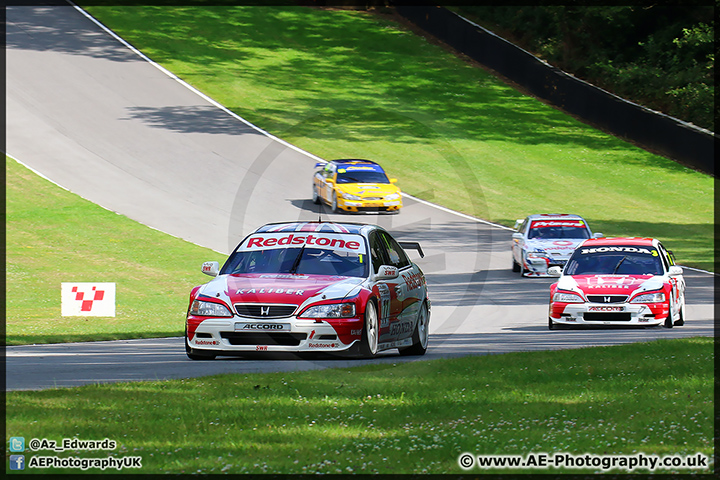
(384,308)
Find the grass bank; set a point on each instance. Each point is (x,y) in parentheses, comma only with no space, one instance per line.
(418,417)
(54,236)
(354,84)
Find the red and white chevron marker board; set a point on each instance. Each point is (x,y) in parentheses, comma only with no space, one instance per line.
(88,299)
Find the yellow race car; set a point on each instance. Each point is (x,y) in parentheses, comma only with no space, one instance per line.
(355,186)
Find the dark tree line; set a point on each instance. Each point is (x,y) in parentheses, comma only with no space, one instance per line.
(660,56)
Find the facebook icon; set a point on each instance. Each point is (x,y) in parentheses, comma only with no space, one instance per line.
(17,462)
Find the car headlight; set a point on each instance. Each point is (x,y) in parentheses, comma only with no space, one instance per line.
(333,310)
(392,196)
(567,297)
(655,297)
(350,196)
(209,309)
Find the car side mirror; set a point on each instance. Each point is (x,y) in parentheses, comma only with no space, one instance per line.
(393,180)
(386,272)
(675,270)
(412,246)
(517,236)
(518,222)
(554,271)
(598,235)
(211,268)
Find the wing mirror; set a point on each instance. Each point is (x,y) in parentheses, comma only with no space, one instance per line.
(554,271)
(517,236)
(674,271)
(211,268)
(598,235)
(412,246)
(386,272)
(393,180)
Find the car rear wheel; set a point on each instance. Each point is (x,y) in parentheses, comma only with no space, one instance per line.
(193,354)
(420,335)
(369,342)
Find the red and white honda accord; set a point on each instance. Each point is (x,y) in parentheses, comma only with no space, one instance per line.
(309,287)
(618,281)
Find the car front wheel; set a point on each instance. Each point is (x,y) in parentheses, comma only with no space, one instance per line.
(681,321)
(315,196)
(369,343)
(334,205)
(669,320)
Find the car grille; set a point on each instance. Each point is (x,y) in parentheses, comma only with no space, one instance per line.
(372,209)
(259,310)
(372,198)
(263,338)
(607,298)
(607,317)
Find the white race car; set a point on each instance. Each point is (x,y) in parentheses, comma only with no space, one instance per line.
(309,287)
(618,282)
(546,240)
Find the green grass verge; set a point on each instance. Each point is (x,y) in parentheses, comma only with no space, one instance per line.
(417,417)
(54,236)
(355,84)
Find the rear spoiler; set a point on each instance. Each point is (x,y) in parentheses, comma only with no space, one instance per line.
(412,246)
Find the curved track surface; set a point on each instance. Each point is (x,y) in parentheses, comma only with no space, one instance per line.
(117,130)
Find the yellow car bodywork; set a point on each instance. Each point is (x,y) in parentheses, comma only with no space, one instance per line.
(342,185)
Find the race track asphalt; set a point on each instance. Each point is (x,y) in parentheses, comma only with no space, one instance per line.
(93,116)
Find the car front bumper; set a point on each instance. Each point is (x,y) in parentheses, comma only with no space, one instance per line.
(369,206)
(538,267)
(226,336)
(637,314)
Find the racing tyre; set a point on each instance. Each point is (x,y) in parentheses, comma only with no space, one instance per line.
(515,266)
(681,321)
(669,320)
(315,197)
(334,206)
(371,332)
(420,335)
(194,355)
(551,324)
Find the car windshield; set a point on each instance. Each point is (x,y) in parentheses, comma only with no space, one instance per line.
(615,260)
(310,254)
(361,175)
(558,229)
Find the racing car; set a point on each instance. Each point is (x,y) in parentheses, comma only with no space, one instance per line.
(618,281)
(311,287)
(355,185)
(546,240)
